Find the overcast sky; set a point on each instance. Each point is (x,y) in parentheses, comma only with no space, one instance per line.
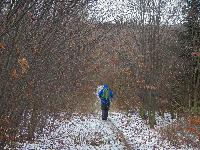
(111,10)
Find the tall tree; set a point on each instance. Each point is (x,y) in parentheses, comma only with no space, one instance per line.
(40,44)
(190,39)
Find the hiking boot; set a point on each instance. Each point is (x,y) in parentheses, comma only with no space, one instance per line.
(104,118)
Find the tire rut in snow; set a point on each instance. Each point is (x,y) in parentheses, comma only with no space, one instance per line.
(119,134)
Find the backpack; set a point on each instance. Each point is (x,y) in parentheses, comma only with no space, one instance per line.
(105,94)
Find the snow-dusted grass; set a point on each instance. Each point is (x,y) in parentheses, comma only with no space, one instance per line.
(138,133)
(88,132)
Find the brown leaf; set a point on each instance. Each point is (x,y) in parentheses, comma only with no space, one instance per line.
(191,129)
(2,46)
(13,73)
(24,65)
(17,50)
(195,121)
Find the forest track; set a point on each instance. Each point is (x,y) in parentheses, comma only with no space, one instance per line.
(119,134)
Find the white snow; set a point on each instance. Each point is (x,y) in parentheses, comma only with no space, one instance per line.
(88,132)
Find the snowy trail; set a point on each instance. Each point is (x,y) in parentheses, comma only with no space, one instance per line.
(119,134)
(89,132)
(79,133)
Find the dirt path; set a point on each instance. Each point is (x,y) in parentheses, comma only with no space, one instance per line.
(119,134)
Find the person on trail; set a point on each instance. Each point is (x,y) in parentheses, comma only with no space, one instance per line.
(105,95)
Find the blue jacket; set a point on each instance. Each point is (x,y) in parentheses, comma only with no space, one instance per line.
(104,101)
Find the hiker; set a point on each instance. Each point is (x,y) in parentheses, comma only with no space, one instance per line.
(105,95)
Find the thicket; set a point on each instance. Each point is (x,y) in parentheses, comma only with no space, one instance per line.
(52,58)
(42,52)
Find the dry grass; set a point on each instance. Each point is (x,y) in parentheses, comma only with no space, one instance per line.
(185,131)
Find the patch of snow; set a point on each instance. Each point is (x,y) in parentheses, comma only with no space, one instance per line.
(139,134)
(89,132)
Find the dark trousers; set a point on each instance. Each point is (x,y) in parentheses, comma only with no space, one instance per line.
(105,109)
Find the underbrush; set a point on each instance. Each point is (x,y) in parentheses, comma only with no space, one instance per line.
(185,131)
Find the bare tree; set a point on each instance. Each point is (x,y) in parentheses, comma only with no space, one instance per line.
(40,45)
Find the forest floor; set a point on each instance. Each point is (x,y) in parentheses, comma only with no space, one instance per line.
(89,132)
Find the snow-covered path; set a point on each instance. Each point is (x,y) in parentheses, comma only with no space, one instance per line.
(89,132)
(80,132)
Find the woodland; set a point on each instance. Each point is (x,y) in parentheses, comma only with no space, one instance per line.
(54,54)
